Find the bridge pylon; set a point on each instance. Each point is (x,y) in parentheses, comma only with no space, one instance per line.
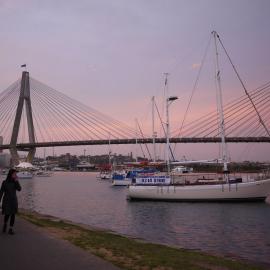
(24,98)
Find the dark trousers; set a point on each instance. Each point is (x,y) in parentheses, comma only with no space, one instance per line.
(12,219)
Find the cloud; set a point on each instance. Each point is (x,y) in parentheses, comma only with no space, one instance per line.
(195,65)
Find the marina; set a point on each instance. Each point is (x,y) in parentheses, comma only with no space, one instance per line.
(139,121)
(240,230)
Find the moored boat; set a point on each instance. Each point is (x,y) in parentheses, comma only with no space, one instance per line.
(25,175)
(43,174)
(125,179)
(255,190)
(222,187)
(105,175)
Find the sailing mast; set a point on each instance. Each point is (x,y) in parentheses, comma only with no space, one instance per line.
(153,128)
(169,100)
(167,123)
(220,110)
(109,150)
(136,139)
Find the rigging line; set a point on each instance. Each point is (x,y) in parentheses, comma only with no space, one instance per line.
(88,120)
(242,83)
(193,89)
(80,105)
(146,146)
(55,120)
(74,121)
(177,62)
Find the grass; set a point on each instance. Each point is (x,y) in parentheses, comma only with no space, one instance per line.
(133,254)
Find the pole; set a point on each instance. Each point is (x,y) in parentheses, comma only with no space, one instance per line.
(167,124)
(153,128)
(220,109)
(109,149)
(136,140)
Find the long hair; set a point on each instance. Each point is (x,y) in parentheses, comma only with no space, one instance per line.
(9,175)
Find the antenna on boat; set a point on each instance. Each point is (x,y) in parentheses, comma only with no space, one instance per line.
(220,110)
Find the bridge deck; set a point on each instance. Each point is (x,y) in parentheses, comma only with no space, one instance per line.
(27,146)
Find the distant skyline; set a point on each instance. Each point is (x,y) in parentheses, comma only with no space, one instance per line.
(112,56)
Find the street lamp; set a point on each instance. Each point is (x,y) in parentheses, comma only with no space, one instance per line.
(169,101)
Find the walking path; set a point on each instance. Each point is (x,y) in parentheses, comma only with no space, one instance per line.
(31,248)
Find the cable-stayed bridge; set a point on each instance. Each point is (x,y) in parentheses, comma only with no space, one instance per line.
(33,115)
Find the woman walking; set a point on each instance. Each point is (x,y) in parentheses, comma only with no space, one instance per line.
(10,201)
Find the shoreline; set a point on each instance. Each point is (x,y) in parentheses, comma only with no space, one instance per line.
(129,252)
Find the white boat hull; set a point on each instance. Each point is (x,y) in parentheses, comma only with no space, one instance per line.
(247,191)
(24,175)
(124,182)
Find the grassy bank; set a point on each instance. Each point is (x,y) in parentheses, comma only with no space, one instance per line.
(128,253)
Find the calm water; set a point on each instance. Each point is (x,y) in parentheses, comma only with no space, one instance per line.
(238,229)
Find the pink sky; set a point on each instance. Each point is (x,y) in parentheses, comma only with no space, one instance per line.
(111,55)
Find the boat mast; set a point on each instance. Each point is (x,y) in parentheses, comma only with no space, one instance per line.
(167,124)
(153,128)
(136,139)
(109,150)
(220,109)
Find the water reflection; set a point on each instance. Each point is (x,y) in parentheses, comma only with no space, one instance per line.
(240,229)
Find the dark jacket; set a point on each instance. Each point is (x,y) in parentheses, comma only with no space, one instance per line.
(10,201)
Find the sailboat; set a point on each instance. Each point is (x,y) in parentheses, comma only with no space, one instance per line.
(211,187)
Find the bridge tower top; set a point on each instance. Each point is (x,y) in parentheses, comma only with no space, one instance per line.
(24,98)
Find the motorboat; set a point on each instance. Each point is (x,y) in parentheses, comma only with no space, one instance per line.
(105,175)
(85,166)
(126,178)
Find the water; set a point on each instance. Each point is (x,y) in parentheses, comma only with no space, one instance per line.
(235,229)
